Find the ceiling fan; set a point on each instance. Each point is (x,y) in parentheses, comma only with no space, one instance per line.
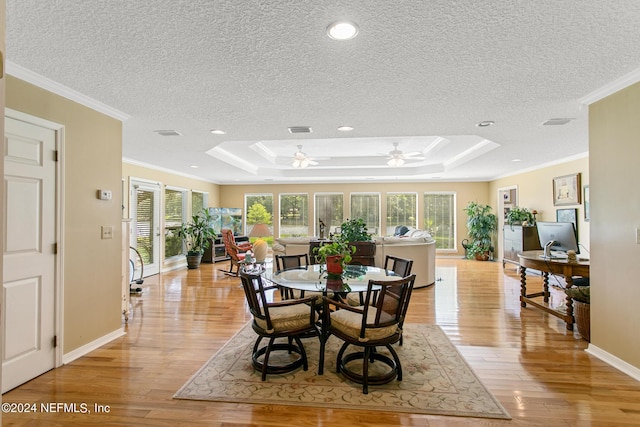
(397,157)
(300,159)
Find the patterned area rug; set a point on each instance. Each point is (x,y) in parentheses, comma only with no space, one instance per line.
(436,379)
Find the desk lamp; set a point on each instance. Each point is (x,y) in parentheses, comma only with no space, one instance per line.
(260,246)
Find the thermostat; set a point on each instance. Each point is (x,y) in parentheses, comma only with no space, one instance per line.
(105,194)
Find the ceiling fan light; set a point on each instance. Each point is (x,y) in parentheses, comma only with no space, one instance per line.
(395,162)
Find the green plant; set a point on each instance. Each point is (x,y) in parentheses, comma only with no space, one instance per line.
(517,215)
(332,249)
(198,233)
(354,230)
(482,225)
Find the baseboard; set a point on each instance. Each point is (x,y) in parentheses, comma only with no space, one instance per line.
(614,361)
(81,351)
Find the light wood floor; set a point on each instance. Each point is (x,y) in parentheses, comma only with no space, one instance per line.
(536,368)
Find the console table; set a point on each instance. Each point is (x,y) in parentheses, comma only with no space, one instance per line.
(533,260)
(518,239)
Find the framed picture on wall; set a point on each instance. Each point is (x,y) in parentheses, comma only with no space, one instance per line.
(566,190)
(568,215)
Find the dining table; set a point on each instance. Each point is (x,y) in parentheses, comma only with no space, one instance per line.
(314,278)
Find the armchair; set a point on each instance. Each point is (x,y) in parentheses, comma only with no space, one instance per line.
(235,252)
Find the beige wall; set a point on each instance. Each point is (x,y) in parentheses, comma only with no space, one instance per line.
(132,171)
(92,160)
(535,191)
(614,133)
(233,196)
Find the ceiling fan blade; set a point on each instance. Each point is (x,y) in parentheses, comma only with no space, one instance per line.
(312,162)
(413,153)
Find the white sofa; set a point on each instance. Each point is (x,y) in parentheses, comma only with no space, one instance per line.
(416,245)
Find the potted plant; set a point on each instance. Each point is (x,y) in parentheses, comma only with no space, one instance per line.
(197,236)
(482,225)
(355,232)
(518,215)
(335,255)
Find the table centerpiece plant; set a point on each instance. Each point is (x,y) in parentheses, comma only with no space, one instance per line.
(334,255)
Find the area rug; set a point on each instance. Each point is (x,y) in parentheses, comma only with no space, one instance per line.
(436,379)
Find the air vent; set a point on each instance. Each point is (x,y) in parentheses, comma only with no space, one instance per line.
(300,129)
(168,132)
(556,122)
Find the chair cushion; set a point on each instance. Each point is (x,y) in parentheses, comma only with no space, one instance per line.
(349,323)
(353,299)
(287,318)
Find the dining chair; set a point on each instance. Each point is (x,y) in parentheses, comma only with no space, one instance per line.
(400,266)
(235,252)
(291,319)
(369,327)
(291,261)
(285,262)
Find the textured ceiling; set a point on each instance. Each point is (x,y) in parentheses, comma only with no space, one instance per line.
(418,72)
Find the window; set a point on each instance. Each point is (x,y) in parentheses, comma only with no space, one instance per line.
(329,207)
(259,209)
(367,207)
(174,216)
(199,201)
(402,209)
(294,215)
(439,218)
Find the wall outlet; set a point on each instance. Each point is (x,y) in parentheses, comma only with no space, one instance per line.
(107,232)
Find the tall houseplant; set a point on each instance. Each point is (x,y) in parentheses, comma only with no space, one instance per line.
(355,232)
(197,236)
(482,225)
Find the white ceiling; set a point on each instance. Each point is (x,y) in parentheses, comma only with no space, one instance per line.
(419,72)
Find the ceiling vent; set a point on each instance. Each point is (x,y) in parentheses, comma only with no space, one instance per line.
(556,122)
(168,132)
(300,129)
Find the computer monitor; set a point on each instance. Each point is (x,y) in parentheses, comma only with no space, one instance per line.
(561,234)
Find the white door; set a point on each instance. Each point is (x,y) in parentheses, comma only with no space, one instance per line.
(28,291)
(145,227)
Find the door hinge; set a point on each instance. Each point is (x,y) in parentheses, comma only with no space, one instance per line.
(55,341)
(55,155)
(55,249)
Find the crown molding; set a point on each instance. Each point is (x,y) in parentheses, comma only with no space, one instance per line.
(611,88)
(42,82)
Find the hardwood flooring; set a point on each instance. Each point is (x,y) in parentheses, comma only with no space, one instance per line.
(537,369)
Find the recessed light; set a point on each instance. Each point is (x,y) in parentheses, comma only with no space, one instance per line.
(345,128)
(516,160)
(342,30)
(194,166)
(218,132)
(485,123)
